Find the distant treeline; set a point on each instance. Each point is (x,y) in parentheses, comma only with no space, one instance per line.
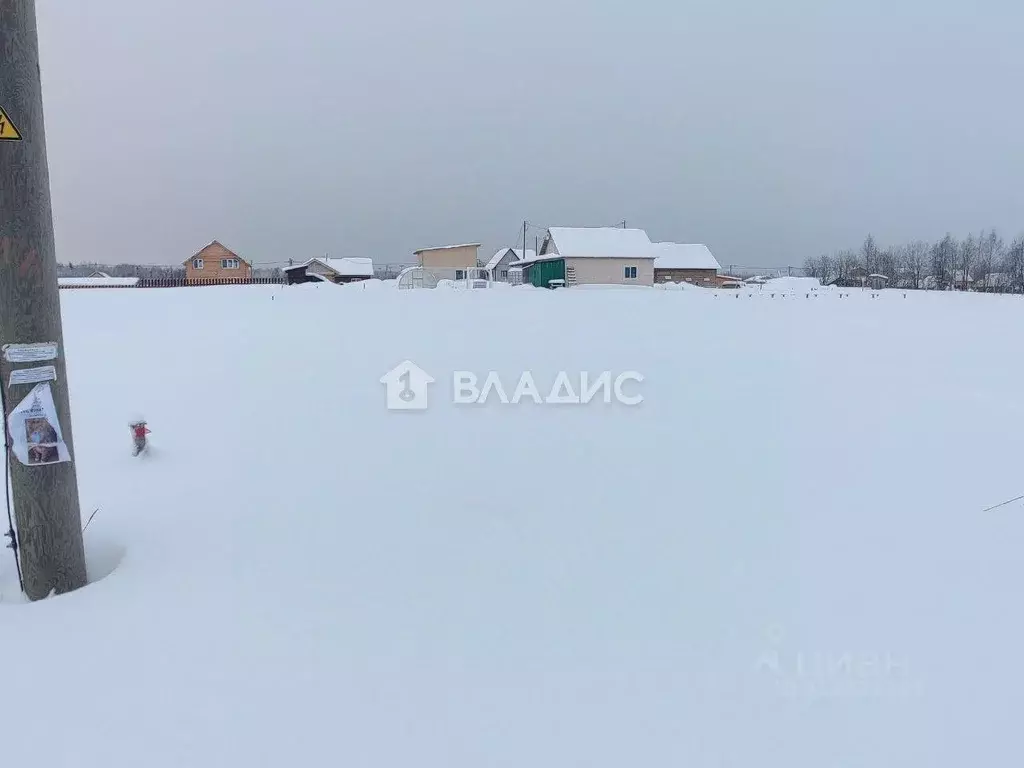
(984,261)
(142,271)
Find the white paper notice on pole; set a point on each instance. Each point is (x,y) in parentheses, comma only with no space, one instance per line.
(36,437)
(33,375)
(31,353)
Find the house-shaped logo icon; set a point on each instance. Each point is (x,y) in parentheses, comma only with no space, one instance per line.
(406,386)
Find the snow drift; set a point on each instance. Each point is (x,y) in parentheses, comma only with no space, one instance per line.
(778,559)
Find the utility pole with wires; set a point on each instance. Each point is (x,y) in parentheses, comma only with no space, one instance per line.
(45,495)
(524,238)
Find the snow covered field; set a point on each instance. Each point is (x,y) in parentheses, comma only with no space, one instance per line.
(779,558)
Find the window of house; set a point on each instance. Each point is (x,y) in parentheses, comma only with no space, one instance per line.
(229,263)
(460,274)
(630,273)
(197,263)
(504,274)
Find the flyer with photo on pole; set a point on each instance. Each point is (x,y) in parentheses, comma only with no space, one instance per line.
(36,436)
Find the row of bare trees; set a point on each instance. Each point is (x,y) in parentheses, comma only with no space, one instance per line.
(982,261)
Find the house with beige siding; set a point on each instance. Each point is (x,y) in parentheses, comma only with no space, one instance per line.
(450,262)
(685,263)
(215,262)
(591,256)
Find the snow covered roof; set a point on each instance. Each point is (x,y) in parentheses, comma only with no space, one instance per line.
(97,282)
(350,266)
(446,247)
(517,255)
(600,243)
(99,274)
(530,259)
(792,284)
(684,256)
(345,267)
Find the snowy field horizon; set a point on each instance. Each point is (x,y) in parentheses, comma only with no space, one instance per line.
(778,558)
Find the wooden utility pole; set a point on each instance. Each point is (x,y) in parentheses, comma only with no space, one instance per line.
(45,495)
(524,239)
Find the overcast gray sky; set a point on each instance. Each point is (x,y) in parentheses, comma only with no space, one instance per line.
(770,130)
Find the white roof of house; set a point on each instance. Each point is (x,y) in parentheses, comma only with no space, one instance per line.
(684,256)
(346,267)
(89,282)
(516,253)
(447,247)
(600,243)
(97,273)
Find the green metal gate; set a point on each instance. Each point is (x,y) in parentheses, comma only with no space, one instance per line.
(543,271)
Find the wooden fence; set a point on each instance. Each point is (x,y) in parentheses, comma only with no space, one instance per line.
(178,282)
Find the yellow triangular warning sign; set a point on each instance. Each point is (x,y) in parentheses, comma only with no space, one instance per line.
(7,130)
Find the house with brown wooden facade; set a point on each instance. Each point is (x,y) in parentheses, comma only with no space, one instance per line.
(685,263)
(214,262)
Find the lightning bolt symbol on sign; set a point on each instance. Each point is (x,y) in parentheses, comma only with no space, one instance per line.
(8,131)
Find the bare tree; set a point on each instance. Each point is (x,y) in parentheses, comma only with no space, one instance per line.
(1013,264)
(822,267)
(869,254)
(815,267)
(887,262)
(944,258)
(845,263)
(968,256)
(989,246)
(916,262)
(997,247)
(830,266)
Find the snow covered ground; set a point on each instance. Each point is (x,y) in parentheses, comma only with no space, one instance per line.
(779,558)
